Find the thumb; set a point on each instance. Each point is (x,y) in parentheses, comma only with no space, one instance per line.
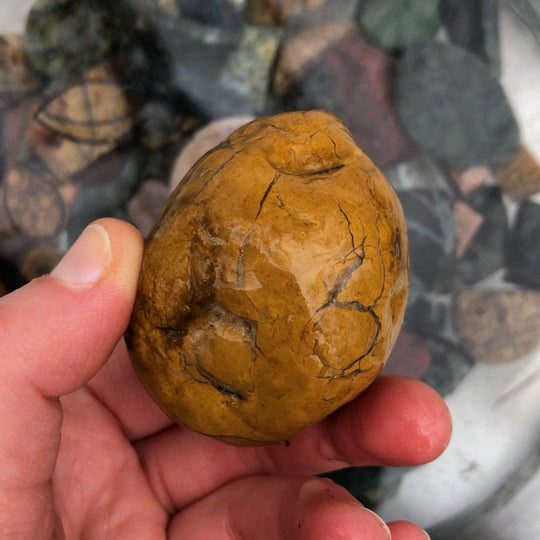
(56,333)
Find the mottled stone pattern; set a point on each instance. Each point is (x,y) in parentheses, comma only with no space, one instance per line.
(498,326)
(263,311)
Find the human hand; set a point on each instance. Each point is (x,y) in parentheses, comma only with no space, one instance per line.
(86,453)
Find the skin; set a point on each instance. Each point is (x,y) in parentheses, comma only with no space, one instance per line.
(85,452)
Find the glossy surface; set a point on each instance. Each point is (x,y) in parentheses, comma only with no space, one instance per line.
(274,282)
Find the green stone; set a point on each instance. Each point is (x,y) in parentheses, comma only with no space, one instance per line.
(453,107)
(395,24)
(63,38)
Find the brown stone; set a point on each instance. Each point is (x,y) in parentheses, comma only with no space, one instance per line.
(273,284)
(497,326)
(519,177)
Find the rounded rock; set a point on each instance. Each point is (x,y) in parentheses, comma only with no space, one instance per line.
(273,284)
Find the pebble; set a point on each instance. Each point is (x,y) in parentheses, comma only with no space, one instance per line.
(453,107)
(498,326)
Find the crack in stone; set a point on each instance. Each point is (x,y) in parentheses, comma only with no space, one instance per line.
(266,193)
(216,172)
(220,386)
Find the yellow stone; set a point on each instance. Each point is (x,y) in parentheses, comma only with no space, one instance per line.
(273,284)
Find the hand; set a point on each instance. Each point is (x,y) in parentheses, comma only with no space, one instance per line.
(85,452)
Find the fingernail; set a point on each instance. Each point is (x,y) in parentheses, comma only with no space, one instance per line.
(85,261)
(427,535)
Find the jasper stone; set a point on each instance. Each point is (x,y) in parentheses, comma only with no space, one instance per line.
(522,247)
(273,284)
